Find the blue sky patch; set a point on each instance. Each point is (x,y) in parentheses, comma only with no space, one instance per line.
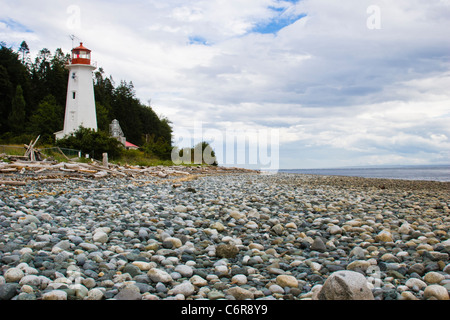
(282,17)
(15,25)
(198,40)
(277,24)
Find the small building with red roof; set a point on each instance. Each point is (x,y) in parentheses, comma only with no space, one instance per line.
(130,146)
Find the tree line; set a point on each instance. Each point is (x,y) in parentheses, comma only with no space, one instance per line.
(33,99)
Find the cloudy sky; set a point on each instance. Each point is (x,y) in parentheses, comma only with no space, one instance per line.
(324,83)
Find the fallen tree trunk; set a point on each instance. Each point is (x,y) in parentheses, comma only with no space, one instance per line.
(12,183)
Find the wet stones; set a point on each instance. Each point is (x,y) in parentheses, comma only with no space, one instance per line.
(237,237)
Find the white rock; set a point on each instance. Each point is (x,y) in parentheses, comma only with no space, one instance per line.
(184,270)
(345,285)
(95,294)
(75,202)
(89,283)
(240,293)
(44,282)
(100,236)
(276,289)
(415,283)
(186,289)
(436,292)
(251,225)
(88,246)
(384,236)
(180,209)
(334,230)
(237,215)
(433,277)
(211,232)
(13,275)
(30,219)
(129,234)
(291,225)
(221,270)
(64,245)
(239,279)
(315,266)
(45,216)
(27,289)
(218,226)
(254,245)
(142,265)
(287,281)
(446,243)
(25,250)
(405,228)
(80,291)
(55,295)
(31,280)
(358,264)
(158,275)
(198,281)
(175,241)
(254,214)
(191,263)
(103,229)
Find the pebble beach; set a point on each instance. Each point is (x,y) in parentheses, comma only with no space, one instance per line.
(228,236)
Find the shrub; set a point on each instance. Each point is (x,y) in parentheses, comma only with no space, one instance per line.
(95,143)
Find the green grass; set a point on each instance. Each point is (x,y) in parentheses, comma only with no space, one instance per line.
(130,157)
(139,158)
(12,150)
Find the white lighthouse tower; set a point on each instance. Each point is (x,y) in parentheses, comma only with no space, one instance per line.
(80,102)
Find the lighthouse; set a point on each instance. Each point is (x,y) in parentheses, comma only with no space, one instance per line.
(80,101)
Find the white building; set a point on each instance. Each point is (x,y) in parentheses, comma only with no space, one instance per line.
(80,102)
(115,131)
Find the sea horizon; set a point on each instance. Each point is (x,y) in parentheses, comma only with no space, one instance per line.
(403,172)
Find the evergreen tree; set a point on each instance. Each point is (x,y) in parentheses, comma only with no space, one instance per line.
(12,73)
(24,50)
(57,76)
(103,118)
(5,98)
(16,118)
(47,119)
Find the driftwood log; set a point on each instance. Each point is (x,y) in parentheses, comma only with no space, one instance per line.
(20,172)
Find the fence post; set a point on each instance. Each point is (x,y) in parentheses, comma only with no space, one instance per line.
(105,159)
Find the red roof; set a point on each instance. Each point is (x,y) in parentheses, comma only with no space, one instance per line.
(130,145)
(81,48)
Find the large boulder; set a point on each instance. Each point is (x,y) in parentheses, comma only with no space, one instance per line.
(345,285)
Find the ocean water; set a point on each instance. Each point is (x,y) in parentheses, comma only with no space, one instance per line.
(430,173)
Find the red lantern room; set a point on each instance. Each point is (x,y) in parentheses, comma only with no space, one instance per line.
(81,55)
